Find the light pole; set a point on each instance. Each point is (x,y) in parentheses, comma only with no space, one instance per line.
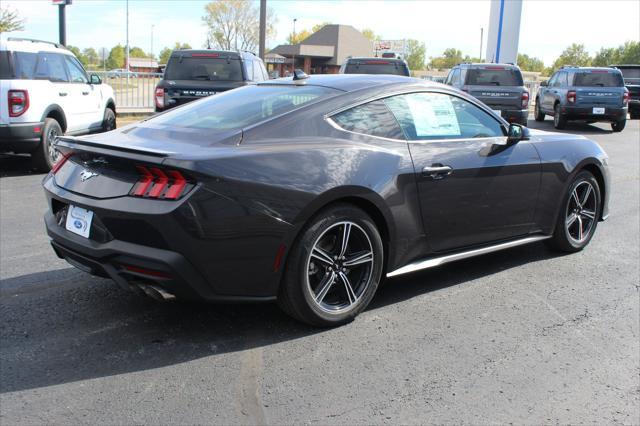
(481,37)
(127,48)
(152,26)
(293,57)
(263,28)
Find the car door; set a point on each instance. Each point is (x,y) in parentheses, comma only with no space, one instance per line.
(547,94)
(86,98)
(50,66)
(473,187)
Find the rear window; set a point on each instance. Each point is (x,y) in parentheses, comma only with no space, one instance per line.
(203,68)
(494,77)
(377,67)
(5,69)
(598,79)
(239,108)
(631,73)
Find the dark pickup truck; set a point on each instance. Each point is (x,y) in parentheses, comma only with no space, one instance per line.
(631,75)
(194,74)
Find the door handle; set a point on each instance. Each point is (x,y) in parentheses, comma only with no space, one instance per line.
(437,171)
(62,93)
(85,93)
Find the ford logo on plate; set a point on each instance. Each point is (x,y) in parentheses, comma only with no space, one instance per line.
(77,224)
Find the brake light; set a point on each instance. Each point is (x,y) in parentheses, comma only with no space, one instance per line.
(625,98)
(495,68)
(157,183)
(18,102)
(159,97)
(58,164)
(377,62)
(571,97)
(525,100)
(205,55)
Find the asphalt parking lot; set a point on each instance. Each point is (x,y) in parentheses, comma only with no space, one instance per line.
(524,335)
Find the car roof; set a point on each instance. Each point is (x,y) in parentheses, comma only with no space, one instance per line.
(486,64)
(352,82)
(225,53)
(365,58)
(31,45)
(608,69)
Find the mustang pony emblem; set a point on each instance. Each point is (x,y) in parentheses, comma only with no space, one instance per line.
(87,174)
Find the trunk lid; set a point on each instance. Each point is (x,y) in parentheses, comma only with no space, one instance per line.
(497,97)
(604,96)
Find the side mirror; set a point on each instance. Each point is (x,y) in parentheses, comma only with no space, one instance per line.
(95,79)
(517,133)
(544,83)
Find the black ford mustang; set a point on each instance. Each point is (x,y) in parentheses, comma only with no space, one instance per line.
(309,191)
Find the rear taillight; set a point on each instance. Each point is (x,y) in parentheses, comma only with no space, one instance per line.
(18,102)
(525,100)
(571,97)
(159,97)
(159,183)
(625,98)
(61,160)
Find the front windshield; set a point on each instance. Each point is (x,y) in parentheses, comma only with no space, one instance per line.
(242,107)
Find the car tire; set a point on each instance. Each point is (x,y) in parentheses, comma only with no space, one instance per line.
(109,120)
(578,218)
(538,114)
(618,126)
(45,156)
(326,284)
(634,115)
(559,120)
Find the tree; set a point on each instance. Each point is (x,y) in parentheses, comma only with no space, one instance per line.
(116,57)
(368,33)
(91,55)
(605,56)
(572,55)
(629,53)
(450,57)
(529,63)
(78,54)
(416,54)
(136,52)
(298,37)
(166,52)
(10,20)
(234,24)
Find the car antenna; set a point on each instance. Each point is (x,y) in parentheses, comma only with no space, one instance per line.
(300,76)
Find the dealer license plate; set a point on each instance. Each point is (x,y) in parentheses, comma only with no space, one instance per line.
(79,221)
(598,110)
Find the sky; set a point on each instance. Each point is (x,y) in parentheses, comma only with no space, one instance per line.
(547,26)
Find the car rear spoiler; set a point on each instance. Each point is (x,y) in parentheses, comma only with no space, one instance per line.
(66,144)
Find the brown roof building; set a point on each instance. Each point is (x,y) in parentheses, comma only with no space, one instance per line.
(323,51)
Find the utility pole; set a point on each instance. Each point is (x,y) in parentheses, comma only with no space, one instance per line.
(481,36)
(293,57)
(263,28)
(152,26)
(127,48)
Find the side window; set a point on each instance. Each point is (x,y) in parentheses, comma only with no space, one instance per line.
(257,71)
(373,118)
(248,68)
(562,80)
(76,72)
(455,79)
(24,64)
(553,79)
(428,116)
(51,67)
(558,79)
(449,76)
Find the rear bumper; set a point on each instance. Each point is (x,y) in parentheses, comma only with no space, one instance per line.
(20,138)
(515,115)
(586,113)
(134,266)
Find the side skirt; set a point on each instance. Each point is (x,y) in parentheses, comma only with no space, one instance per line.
(437,261)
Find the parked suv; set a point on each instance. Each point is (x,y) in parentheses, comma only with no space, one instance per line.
(393,66)
(45,93)
(631,75)
(499,86)
(193,74)
(579,93)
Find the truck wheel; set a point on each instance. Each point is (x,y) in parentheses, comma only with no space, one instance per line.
(539,115)
(559,121)
(635,115)
(109,120)
(46,155)
(618,126)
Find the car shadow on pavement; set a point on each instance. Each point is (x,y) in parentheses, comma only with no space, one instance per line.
(574,127)
(64,326)
(16,165)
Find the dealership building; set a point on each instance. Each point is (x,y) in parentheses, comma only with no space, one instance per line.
(323,52)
